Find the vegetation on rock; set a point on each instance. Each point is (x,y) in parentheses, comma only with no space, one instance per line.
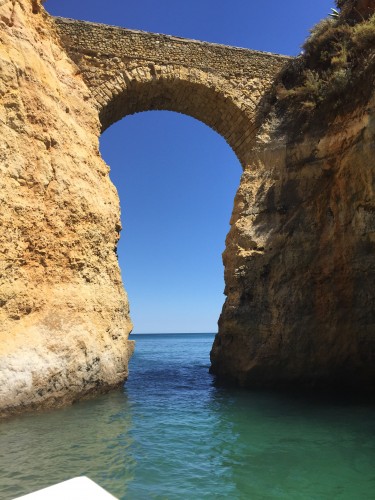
(338,56)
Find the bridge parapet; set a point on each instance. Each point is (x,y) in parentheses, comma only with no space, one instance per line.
(129,71)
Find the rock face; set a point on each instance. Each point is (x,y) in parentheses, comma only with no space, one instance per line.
(300,257)
(64,319)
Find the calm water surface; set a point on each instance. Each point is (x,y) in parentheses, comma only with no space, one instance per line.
(171,434)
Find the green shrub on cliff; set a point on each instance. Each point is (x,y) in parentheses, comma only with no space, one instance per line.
(338,56)
(364,34)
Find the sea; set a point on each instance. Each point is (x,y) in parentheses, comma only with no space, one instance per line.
(172,433)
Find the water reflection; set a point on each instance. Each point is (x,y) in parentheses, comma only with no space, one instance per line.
(299,446)
(91,438)
(172,434)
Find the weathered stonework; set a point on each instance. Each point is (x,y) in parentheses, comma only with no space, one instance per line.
(129,71)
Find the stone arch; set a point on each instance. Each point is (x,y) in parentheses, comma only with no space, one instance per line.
(184,90)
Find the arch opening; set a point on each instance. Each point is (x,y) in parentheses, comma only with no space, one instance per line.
(176,195)
(193,93)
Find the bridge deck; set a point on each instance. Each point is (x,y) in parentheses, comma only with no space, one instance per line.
(112,41)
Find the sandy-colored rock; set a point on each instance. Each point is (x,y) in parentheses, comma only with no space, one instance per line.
(300,257)
(64,319)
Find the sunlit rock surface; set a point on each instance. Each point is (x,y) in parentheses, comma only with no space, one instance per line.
(64,319)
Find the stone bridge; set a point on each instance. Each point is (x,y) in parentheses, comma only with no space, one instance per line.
(130,71)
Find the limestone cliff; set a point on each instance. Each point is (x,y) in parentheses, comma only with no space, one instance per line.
(300,260)
(64,319)
(300,255)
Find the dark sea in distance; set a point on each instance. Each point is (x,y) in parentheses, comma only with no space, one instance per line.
(170,433)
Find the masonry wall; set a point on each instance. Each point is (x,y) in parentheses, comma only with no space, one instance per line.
(238,65)
(130,71)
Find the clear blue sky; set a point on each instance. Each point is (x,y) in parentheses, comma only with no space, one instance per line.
(175,176)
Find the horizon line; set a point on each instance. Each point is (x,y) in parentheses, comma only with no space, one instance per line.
(170,333)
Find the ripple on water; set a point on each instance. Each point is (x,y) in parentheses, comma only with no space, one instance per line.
(172,434)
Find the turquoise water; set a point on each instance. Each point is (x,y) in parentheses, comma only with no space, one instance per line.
(171,434)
